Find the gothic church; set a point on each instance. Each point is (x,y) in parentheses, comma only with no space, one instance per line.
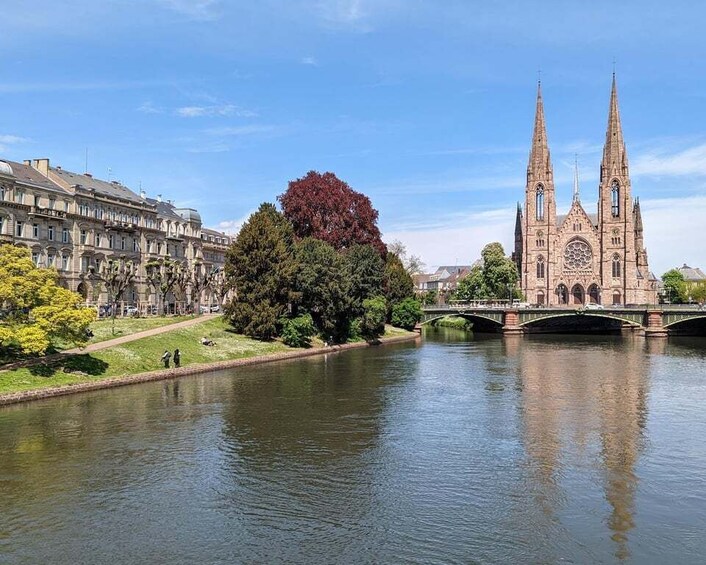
(582,258)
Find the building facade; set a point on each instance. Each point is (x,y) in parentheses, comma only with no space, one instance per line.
(582,257)
(76,223)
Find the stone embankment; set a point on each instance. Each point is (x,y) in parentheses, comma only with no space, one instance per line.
(196,368)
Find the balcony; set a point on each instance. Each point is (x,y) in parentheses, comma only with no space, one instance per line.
(6,238)
(127,226)
(46,212)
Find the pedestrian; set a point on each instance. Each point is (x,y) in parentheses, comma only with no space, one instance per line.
(177,358)
(165,358)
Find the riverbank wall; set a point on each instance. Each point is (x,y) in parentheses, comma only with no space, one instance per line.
(196,368)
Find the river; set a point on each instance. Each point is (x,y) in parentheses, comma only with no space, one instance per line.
(456,449)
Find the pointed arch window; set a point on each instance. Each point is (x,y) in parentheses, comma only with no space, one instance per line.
(615,199)
(539,202)
(540,267)
(616,266)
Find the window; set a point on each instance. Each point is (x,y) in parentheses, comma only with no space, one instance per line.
(135,246)
(159,248)
(540,298)
(83,237)
(65,235)
(19,196)
(122,243)
(2,193)
(50,260)
(577,255)
(98,240)
(2,224)
(539,202)
(84,264)
(111,241)
(35,231)
(50,233)
(35,258)
(52,203)
(18,229)
(540,267)
(36,200)
(562,294)
(616,266)
(64,262)
(615,199)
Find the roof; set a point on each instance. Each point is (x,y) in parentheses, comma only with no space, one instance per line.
(5,169)
(108,188)
(561,217)
(28,174)
(189,214)
(691,273)
(165,209)
(452,269)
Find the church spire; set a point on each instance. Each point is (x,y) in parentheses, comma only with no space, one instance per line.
(614,154)
(576,179)
(539,166)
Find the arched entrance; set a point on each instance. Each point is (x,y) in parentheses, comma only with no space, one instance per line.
(540,298)
(577,294)
(594,294)
(563,294)
(617,297)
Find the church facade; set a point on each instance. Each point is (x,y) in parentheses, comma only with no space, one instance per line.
(581,257)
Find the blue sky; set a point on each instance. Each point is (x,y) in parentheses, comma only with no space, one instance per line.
(426,107)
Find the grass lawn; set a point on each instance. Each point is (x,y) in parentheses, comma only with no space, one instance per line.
(102,329)
(144,355)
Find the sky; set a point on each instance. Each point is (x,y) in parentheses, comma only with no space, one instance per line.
(425,106)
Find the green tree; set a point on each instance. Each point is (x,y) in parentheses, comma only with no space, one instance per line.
(297,332)
(674,286)
(34,309)
(397,282)
(406,313)
(323,286)
(496,278)
(364,272)
(372,323)
(260,265)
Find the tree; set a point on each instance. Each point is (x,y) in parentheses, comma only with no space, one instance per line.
(260,265)
(397,282)
(322,283)
(116,276)
(406,313)
(496,278)
(373,321)
(325,207)
(297,332)
(674,286)
(364,271)
(162,275)
(412,263)
(199,279)
(34,309)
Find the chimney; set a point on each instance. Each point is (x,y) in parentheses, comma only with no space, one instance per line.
(42,165)
(159,198)
(27,162)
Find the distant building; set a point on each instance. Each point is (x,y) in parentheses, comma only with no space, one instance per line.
(580,257)
(445,279)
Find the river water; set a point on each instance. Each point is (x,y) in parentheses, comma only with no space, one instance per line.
(457,449)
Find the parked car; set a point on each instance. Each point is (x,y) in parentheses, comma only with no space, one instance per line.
(594,306)
(215,308)
(105,310)
(205,308)
(130,310)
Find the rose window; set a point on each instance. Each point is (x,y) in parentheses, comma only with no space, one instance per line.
(577,255)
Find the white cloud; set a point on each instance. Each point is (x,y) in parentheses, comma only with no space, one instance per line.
(6,140)
(214,111)
(240,131)
(149,108)
(691,161)
(232,227)
(309,61)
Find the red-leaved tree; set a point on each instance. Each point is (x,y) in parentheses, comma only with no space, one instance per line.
(326,208)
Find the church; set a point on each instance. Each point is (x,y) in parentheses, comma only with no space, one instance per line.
(582,258)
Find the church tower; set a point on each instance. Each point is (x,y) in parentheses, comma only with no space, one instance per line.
(539,221)
(616,214)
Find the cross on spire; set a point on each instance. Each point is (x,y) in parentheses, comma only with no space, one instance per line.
(576,179)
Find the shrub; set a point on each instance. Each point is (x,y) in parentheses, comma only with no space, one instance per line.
(406,314)
(373,321)
(297,332)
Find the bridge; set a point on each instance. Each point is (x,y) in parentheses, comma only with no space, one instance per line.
(651,320)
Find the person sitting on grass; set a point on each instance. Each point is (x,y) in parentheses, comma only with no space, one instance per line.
(207,341)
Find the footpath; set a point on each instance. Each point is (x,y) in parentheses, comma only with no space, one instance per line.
(196,368)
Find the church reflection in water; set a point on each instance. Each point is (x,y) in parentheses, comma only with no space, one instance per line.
(585,410)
